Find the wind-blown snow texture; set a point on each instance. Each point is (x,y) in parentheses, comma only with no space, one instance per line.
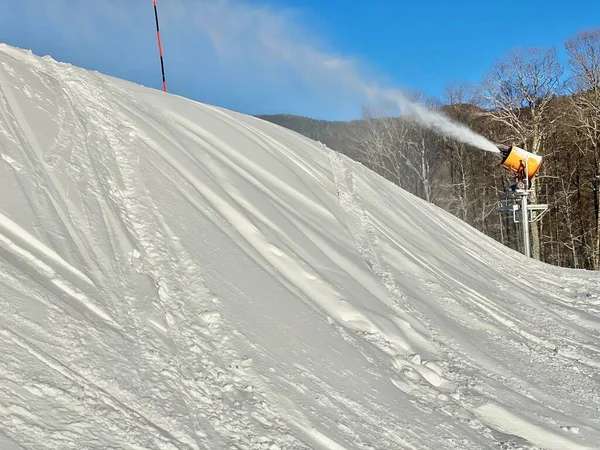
(178,276)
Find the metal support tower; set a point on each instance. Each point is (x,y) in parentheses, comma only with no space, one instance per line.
(517,204)
(525,222)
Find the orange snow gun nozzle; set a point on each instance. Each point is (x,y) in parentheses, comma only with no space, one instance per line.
(525,164)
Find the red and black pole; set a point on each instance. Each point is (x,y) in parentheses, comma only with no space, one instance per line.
(160,51)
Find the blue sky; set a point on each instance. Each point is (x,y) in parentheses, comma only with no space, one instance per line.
(312,57)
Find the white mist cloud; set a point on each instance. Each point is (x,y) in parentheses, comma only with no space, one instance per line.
(245,34)
(254,49)
(256,39)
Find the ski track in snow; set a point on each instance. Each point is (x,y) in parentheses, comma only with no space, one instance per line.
(178,276)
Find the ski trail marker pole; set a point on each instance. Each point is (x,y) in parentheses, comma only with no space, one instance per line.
(160,50)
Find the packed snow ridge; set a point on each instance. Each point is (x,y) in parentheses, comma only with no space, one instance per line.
(177,276)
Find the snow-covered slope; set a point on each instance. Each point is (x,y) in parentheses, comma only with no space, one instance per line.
(178,276)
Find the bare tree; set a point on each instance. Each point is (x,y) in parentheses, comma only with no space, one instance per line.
(399,149)
(424,154)
(459,98)
(584,60)
(380,143)
(517,92)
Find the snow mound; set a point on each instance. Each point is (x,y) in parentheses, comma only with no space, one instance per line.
(177,276)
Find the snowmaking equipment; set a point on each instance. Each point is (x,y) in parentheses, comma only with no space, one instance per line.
(524,166)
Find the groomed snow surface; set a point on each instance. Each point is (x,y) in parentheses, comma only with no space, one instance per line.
(177,276)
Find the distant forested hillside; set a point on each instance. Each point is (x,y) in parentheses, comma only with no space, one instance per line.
(335,135)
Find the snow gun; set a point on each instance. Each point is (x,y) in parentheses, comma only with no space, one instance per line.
(524,164)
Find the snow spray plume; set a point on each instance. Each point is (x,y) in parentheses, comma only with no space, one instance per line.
(258,49)
(275,44)
(434,120)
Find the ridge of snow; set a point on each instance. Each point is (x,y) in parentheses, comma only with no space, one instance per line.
(177,276)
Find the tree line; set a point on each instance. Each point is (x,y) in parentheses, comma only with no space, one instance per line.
(529,98)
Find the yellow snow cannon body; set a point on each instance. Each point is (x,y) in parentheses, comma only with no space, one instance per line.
(525,164)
